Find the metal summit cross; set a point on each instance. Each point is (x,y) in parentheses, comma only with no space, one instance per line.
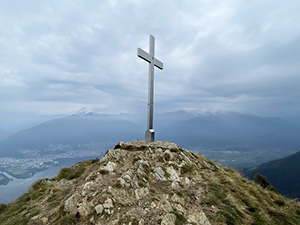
(149,57)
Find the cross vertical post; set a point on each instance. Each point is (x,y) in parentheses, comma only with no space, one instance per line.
(150,58)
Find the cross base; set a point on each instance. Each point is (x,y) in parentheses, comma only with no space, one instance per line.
(149,135)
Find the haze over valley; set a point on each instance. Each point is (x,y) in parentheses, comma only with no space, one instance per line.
(232,139)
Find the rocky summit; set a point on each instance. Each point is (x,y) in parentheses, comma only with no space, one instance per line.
(139,183)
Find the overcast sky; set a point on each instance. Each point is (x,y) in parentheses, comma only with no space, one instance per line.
(64,57)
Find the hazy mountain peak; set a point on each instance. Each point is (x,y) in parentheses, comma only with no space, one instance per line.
(149,183)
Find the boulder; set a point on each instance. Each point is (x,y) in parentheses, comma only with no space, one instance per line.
(159,173)
(169,219)
(141,193)
(71,203)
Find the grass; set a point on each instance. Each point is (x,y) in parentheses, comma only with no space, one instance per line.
(2,208)
(128,220)
(187,168)
(70,173)
(18,212)
(55,198)
(231,214)
(241,201)
(180,218)
(258,220)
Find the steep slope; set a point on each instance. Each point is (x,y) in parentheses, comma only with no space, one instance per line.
(282,173)
(71,130)
(149,183)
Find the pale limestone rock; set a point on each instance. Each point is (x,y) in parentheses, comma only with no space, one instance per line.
(134,182)
(92,220)
(177,199)
(169,219)
(149,151)
(71,203)
(99,209)
(207,165)
(153,205)
(179,208)
(187,152)
(159,150)
(38,220)
(109,211)
(156,144)
(62,183)
(187,181)
(110,166)
(99,177)
(88,185)
(111,190)
(141,222)
(165,205)
(141,193)
(185,157)
(130,178)
(173,174)
(159,173)
(199,218)
(203,219)
(117,154)
(123,182)
(165,197)
(169,152)
(175,185)
(219,168)
(214,209)
(108,204)
(44,220)
(140,170)
(127,176)
(84,209)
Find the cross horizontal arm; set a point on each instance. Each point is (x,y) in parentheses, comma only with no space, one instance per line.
(147,57)
(144,55)
(158,64)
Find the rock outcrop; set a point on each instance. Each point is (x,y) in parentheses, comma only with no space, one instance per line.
(149,183)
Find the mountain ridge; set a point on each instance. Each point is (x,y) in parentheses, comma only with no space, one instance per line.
(149,183)
(282,173)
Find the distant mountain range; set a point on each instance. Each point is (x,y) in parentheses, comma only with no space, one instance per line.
(233,130)
(72,130)
(282,173)
(229,131)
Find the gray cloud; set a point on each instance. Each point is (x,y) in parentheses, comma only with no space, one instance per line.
(72,56)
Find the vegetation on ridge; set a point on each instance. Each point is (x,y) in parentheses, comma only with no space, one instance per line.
(149,183)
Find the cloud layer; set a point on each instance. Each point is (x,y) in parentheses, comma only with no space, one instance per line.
(65,57)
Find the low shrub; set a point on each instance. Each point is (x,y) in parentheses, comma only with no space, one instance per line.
(70,173)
